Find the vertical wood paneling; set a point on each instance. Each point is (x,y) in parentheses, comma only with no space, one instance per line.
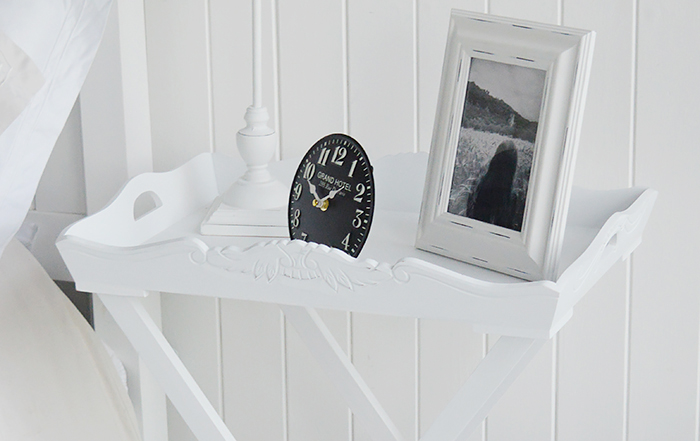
(433,22)
(449,352)
(382,117)
(381,75)
(200,74)
(311,79)
(178,38)
(665,304)
(596,391)
(591,388)
(231,70)
(604,153)
(199,350)
(544,11)
(524,411)
(231,48)
(384,352)
(178,62)
(254,378)
(316,411)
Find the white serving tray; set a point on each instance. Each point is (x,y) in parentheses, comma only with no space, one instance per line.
(112,253)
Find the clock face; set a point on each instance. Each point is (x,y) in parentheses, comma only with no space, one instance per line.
(331,201)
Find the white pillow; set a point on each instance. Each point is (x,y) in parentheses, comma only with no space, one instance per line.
(61,38)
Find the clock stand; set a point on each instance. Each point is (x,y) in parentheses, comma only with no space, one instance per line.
(122,257)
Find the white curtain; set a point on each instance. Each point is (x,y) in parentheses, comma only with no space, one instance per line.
(60,37)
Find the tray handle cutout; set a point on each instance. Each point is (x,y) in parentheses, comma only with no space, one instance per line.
(146,203)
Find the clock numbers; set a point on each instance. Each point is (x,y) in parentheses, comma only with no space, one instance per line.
(357,222)
(360,191)
(295,218)
(331,200)
(297,191)
(352,168)
(323,157)
(346,242)
(309,171)
(338,155)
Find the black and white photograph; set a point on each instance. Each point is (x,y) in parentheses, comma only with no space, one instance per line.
(496,143)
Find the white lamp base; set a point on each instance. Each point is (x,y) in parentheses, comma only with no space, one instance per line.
(225,220)
(256,204)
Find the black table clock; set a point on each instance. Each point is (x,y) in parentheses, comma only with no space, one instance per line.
(331,200)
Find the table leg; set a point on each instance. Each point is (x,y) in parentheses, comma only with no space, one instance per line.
(167,368)
(486,385)
(342,373)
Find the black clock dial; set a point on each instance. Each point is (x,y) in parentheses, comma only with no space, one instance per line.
(331,201)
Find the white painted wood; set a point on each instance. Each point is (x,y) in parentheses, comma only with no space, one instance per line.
(146,395)
(384,352)
(592,348)
(538,414)
(230,46)
(524,411)
(173,376)
(448,353)
(591,363)
(315,409)
(382,99)
(253,366)
(117,265)
(544,11)
(179,80)
(192,325)
(254,370)
(368,411)
(664,323)
(503,363)
(102,110)
(116,138)
(181,261)
(135,86)
(313,79)
(115,117)
(62,185)
(433,22)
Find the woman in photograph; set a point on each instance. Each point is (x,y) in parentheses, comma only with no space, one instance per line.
(493,201)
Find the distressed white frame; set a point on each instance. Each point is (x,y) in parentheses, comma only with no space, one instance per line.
(565,54)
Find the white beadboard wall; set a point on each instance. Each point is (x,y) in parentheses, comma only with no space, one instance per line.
(624,368)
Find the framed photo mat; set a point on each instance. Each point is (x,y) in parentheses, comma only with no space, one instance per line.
(504,143)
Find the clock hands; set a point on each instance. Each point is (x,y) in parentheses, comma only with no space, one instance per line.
(312,189)
(330,195)
(321,203)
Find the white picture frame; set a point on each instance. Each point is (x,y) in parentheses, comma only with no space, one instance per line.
(504,142)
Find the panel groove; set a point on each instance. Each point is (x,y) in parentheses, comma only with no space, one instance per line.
(629,267)
(416,63)
(484,351)
(210,75)
(285,401)
(345,67)
(348,328)
(417,390)
(555,386)
(274,17)
(220,358)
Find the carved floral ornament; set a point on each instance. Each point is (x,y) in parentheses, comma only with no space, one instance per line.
(300,260)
